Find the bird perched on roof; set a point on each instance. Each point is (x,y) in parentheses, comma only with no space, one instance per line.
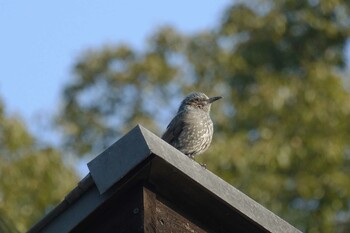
(191,130)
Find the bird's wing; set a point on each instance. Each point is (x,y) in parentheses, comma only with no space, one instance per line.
(174,128)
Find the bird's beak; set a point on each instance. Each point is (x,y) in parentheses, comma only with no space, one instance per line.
(213,99)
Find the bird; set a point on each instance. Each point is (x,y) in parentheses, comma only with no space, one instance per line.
(191,130)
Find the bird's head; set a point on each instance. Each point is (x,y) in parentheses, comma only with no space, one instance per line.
(198,100)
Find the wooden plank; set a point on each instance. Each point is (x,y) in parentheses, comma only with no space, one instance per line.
(161,218)
(149,218)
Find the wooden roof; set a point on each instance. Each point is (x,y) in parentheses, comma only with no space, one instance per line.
(142,157)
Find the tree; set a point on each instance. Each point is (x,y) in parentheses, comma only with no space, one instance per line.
(7,225)
(282,130)
(34,176)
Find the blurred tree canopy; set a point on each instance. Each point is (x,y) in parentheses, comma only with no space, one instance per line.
(33,176)
(283,129)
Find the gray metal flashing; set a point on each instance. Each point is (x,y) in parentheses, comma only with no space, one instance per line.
(155,162)
(116,161)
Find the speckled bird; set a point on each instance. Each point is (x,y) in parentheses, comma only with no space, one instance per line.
(191,130)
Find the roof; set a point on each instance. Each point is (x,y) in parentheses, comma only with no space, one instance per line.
(142,156)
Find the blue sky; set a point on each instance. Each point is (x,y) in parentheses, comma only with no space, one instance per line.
(41,40)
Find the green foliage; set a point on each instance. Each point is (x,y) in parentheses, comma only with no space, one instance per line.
(282,130)
(114,81)
(6,225)
(33,177)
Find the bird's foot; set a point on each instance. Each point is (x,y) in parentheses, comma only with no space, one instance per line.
(203,165)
